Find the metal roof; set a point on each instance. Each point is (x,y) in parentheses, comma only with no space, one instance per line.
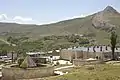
(33,53)
(97,49)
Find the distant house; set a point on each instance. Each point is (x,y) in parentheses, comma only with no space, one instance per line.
(38,57)
(4,58)
(43,57)
(53,55)
(8,57)
(36,54)
(54,52)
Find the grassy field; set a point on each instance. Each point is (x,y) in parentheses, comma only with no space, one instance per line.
(97,72)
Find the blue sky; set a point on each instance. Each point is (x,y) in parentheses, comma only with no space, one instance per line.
(46,11)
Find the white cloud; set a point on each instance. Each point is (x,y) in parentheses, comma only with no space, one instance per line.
(79,16)
(17,19)
(28,20)
(3,17)
(22,19)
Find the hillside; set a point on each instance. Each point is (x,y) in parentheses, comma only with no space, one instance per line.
(99,24)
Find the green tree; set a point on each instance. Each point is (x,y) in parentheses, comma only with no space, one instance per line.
(113,39)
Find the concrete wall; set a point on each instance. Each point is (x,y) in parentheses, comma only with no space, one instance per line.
(18,73)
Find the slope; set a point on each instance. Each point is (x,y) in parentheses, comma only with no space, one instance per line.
(100,24)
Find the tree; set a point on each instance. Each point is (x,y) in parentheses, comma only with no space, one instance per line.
(113,39)
(9,39)
(20,60)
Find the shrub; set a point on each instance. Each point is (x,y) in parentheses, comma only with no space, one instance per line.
(20,61)
(23,65)
(90,68)
(57,63)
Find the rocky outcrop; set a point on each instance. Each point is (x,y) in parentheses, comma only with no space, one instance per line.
(101,19)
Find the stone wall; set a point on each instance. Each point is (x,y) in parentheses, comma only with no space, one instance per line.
(18,73)
(78,62)
(67,54)
(70,54)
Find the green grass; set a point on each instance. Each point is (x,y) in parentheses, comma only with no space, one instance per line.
(98,72)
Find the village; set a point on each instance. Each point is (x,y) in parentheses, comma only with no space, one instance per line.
(43,64)
(60,40)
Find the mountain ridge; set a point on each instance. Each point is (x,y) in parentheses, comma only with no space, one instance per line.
(100,24)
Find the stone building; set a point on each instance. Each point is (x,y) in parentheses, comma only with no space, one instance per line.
(71,54)
(95,52)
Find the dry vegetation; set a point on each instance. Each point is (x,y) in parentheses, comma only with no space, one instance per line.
(97,72)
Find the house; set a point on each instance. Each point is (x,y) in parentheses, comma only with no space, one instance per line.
(53,55)
(42,57)
(38,57)
(4,58)
(8,57)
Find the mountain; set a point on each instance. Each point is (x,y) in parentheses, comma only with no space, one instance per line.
(103,19)
(98,25)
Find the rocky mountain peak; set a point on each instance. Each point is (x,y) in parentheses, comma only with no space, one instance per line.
(110,9)
(102,19)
